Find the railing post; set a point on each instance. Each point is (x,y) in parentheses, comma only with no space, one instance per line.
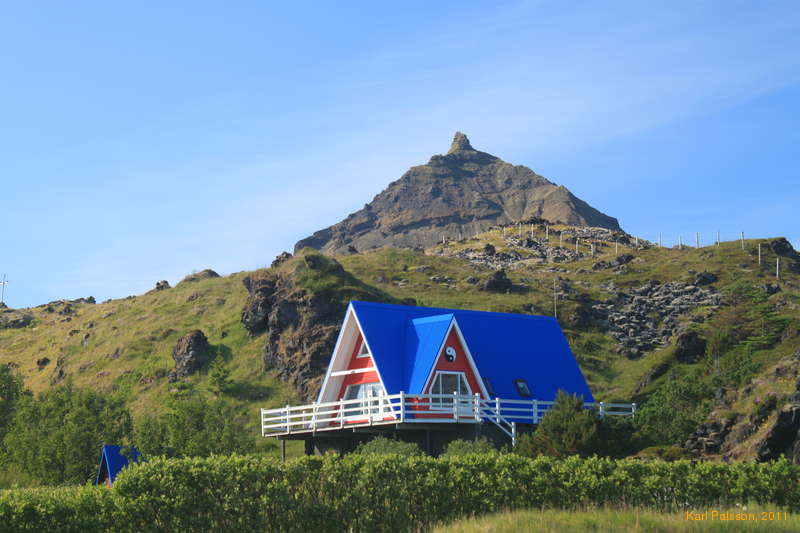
(314,417)
(513,434)
(602,409)
(496,410)
(455,405)
(263,431)
(288,427)
(402,407)
(341,413)
(535,411)
(633,409)
(477,407)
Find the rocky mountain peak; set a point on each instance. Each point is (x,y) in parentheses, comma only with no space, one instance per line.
(460,143)
(454,196)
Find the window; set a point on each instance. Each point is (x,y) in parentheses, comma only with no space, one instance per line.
(448,383)
(522,388)
(363,351)
(488,385)
(362,391)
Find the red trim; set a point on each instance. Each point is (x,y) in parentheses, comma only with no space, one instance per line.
(356,363)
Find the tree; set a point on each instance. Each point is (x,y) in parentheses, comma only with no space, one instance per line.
(56,437)
(193,427)
(673,411)
(566,429)
(11,392)
(220,375)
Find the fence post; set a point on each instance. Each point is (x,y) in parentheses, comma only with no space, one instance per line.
(633,410)
(341,413)
(759,254)
(455,405)
(477,407)
(535,411)
(717,237)
(496,410)
(742,240)
(263,431)
(513,434)
(288,427)
(402,407)
(697,240)
(778,268)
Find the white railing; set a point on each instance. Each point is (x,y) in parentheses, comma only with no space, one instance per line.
(417,408)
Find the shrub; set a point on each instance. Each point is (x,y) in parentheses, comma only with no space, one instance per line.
(566,429)
(56,437)
(383,446)
(465,447)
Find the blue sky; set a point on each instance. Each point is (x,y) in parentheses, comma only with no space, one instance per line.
(141,143)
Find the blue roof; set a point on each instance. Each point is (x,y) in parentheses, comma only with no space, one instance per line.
(404,342)
(112,462)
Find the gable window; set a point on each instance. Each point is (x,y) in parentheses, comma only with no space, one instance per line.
(363,351)
(522,388)
(448,383)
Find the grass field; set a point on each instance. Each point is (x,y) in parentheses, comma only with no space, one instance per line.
(624,521)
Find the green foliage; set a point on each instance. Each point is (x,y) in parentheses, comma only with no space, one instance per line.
(56,437)
(11,392)
(383,446)
(567,429)
(219,375)
(673,411)
(465,447)
(383,493)
(193,427)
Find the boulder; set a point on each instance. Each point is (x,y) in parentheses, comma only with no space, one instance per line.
(162,285)
(705,278)
(203,274)
(689,347)
(190,353)
(489,249)
(782,436)
(771,288)
(783,247)
(499,282)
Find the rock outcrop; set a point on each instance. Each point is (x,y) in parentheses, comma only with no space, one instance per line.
(190,353)
(461,193)
(301,324)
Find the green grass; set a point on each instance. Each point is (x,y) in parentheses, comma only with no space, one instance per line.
(620,521)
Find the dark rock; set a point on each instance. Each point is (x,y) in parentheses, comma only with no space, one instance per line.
(781,437)
(529,308)
(705,278)
(10,319)
(409,301)
(708,437)
(771,288)
(43,362)
(59,373)
(280,259)
(162,285)
(115,354)
(352,249)
(689,347)
(783,247)
(86,366)
(257,308)
(85,340)
(489,249)
(472,280)
(190,353)
(499,282)
(763,410)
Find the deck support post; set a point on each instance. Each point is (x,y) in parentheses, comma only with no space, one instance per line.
(283,450)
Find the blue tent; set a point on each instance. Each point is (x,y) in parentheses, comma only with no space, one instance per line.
(506,349)
(112,461)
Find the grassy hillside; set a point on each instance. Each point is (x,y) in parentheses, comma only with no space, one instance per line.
(125,345)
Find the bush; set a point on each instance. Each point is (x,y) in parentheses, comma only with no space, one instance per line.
(57,436)
(383,446)
(194,427)
(379,493)
(465,447)
(566,429)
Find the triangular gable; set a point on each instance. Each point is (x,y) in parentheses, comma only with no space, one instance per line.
(504,347)
(453,355)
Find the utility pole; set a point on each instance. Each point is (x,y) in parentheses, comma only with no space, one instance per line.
(3,293)
(555,300)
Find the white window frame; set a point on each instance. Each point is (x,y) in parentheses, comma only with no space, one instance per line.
(369,403)
(363,351)
(440,404)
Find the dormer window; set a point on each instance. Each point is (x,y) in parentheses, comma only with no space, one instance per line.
(363,351)
(522,388)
